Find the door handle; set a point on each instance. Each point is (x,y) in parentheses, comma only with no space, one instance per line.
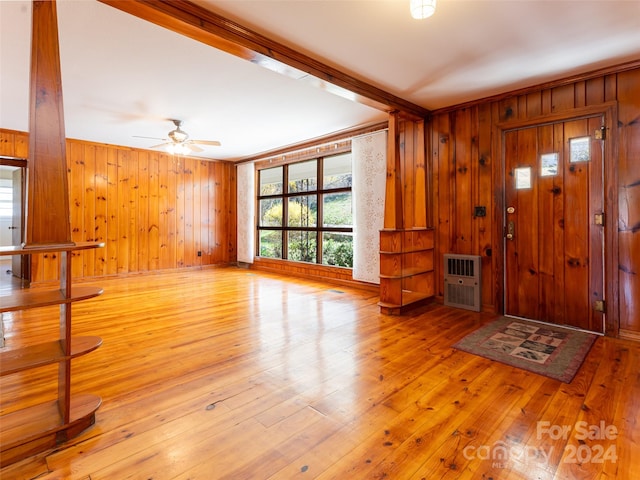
(511,230)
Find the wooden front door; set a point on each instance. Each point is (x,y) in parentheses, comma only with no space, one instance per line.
(554,265)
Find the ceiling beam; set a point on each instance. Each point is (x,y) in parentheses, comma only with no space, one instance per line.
(198,23)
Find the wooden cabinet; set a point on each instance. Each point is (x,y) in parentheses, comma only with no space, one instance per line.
(406,268)
(37,428)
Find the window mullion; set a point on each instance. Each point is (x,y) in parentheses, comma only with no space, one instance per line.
(285,211)
(320,218)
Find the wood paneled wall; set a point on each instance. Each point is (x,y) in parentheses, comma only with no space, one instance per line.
(153,211)
(466,161)
(628,268)
(413,172)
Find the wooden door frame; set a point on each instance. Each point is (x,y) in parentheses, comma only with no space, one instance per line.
(610,185)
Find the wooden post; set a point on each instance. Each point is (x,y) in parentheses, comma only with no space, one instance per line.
(406,243)
(48,190)
(420,189)
(393,211)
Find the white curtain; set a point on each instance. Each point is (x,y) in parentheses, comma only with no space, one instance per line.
(369,153)
(246,212)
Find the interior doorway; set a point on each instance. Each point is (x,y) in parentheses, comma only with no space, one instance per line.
(12,216)
(554,223)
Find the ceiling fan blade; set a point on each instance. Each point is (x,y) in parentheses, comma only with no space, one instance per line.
(215,143)
(151,138)
(194,148)
(161,145)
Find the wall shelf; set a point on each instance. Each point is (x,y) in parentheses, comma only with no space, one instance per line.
(26,299)
(406,268)
(25,358)
(38,428)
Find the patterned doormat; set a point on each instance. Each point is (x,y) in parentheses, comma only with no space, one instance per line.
(555,352)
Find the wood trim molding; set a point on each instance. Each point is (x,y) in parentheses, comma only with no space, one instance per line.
(338,137)
(543,86)
(194,21)
(13,161)
(343,146)
(310,271)
(563,116)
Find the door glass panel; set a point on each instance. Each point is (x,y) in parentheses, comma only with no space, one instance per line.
(523,177)
(548,164)
(580,149)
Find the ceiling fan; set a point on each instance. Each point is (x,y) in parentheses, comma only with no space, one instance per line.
(178,141)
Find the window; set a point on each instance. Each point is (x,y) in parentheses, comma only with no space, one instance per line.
(306,211)
(6,198)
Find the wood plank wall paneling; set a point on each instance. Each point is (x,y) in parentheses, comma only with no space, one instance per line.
(413,178)
(629,199)
(466,159)
(153,211)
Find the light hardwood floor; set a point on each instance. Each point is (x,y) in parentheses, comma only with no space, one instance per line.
(233,373)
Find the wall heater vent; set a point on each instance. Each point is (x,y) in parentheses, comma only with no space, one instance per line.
(462,281)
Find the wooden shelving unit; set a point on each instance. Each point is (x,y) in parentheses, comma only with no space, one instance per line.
(406,268)
(37,428)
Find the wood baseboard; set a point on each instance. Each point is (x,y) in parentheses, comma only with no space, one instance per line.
(334,275)
(629,335)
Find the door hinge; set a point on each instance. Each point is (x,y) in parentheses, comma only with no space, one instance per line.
(601,133)
(599,306)
(598,218)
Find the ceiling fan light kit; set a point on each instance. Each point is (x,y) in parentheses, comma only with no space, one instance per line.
(178,149)
(422,8)
(177,135)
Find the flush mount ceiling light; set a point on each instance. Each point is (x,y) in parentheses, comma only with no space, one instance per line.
(422,8)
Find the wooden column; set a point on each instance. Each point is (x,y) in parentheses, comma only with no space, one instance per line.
(393,212)
(36,428)
(48,190)
(406,244)
(420,176)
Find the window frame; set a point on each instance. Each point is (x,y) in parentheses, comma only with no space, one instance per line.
(285,196)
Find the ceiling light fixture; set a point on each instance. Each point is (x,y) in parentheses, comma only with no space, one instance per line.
(422,8)
(178,149)
(177,135)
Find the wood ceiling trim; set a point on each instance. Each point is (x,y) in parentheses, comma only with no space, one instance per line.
(314,143)
(198,23)
(582,77)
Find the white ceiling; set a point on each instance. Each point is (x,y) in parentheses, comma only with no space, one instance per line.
(124,77)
